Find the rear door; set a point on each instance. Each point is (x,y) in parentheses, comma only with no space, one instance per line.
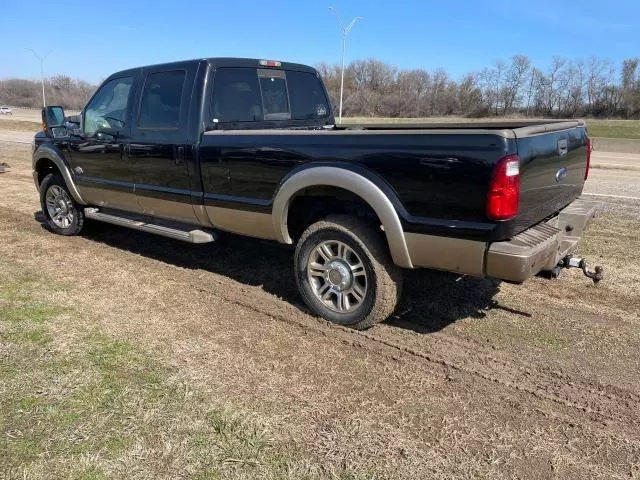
(161,144)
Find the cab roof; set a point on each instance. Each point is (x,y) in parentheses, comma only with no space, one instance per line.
(218,62)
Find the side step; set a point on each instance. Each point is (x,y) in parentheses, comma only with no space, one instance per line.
(165,229)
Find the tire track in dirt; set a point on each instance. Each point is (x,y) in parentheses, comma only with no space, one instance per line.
(602,404)
(604,401)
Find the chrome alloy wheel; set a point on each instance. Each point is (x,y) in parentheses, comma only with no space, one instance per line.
(337,276)
(59,206)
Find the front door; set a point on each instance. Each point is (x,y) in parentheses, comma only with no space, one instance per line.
(99,153)
(160,144)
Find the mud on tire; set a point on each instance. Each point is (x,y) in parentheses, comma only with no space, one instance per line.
(343,254)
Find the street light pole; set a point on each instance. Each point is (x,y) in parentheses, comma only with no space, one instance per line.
(42,59)
(345,32)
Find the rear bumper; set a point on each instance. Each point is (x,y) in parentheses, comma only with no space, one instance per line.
(536,249)
(540,247)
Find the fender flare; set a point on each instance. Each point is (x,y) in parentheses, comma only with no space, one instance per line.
(352,182)
(52,154)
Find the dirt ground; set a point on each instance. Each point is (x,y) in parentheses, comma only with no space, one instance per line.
(472,378)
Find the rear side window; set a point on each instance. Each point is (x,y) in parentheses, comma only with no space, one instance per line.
(248,95)
(161,100)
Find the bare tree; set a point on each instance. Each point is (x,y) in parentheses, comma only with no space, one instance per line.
(631,86)
(514,81)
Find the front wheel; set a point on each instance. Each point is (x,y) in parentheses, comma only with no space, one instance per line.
(345,274)
(63,215)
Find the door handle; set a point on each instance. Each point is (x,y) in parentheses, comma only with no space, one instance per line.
(179,160)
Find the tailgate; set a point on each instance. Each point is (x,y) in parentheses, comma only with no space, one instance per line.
(552,170)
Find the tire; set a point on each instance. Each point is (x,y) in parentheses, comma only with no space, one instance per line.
(343,254)
(55,197)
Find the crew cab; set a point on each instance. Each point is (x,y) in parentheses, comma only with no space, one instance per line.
(191,149)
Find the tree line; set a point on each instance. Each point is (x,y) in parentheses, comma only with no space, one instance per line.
(566,88)
(591,87)
(59,90)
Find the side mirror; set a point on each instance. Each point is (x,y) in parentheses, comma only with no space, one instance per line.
(53,121)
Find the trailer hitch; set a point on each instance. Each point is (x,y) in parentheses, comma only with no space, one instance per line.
(581,263)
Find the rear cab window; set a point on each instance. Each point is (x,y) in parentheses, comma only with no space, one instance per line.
(243,95)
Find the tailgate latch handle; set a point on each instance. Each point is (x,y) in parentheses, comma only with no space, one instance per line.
(563,147)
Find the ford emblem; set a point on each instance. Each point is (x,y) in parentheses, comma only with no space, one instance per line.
(561,174)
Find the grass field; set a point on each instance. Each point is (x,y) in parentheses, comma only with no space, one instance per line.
(125,355)
(19,125)
(91,401)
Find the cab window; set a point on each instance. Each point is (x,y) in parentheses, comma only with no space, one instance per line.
(242,94)
(108,108)
(236,96)
(161,100)
(275,97)
(307,96)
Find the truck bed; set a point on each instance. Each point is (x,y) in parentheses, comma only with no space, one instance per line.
(436,173)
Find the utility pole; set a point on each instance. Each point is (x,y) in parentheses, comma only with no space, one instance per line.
(345,32)
(42,59)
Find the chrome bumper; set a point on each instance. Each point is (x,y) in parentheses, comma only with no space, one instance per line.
(541,247)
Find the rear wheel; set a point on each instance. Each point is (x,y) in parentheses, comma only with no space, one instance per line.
(63,215)
(345,274)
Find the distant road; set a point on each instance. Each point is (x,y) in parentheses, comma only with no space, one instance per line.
(614,176)
(611,159)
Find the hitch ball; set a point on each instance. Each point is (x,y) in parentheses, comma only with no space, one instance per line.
(581,263)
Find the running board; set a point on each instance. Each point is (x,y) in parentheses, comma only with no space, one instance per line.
(175,231)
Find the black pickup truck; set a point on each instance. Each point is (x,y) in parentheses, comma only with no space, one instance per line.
(192,148)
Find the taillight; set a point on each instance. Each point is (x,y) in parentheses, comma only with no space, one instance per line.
(586,170)
(504,189)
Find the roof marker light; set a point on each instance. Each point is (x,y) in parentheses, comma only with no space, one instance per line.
(270,63)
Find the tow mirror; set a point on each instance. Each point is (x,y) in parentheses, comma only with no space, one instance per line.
(53,121)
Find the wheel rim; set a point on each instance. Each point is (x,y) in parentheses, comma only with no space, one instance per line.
(337,276)
(59,206)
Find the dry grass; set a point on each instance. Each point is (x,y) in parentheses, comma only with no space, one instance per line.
(19,125)
(78,403)
(472,379)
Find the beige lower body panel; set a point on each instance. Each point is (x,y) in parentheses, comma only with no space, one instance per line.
(252,224)
(444,253)
(108,198)
(536,249)
(179,211)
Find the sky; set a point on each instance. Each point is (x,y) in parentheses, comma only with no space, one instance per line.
(91,40)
